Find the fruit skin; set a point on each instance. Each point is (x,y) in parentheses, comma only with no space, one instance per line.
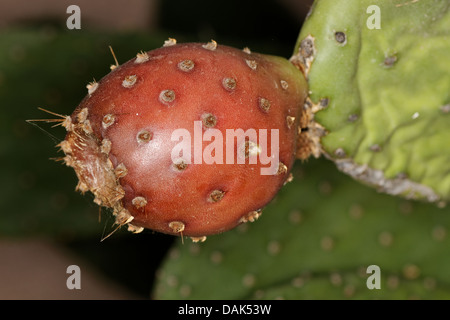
(119,137)
(387,116)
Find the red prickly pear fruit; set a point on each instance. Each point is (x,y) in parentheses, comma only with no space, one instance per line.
(188,139)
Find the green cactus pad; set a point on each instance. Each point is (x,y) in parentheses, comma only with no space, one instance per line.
(385,72)
(318,246)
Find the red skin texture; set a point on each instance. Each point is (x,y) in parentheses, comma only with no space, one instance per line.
(183,196)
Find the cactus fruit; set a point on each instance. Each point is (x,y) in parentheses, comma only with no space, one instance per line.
(120,139)
(379,81)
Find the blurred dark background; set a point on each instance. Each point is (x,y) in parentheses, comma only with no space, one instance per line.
(44,225)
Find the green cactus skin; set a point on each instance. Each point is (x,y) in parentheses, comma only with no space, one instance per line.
(387,91)
(319,247)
